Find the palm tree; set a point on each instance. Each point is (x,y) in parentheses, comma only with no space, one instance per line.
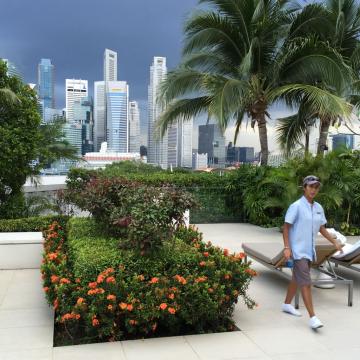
(340,27)
(237,62)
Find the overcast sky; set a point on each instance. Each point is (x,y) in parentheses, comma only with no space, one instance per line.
(74,34)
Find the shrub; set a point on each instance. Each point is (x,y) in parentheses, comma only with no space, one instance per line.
(143,216)
(101,293)
(30,224)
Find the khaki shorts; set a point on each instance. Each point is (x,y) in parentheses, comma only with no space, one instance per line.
(301,272)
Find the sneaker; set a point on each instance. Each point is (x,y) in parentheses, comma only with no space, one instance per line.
(315,323)
(288,308)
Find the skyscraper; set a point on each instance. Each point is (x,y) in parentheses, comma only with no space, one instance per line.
(117,116)
(101,90)
(185,142)
(157,148)
(12,70)
(46,84)
(83,115)
(99,114)
(75,90)
(212,142)
(110,65)
(134,127)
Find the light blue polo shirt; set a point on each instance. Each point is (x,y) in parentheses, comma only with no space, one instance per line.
(306,220)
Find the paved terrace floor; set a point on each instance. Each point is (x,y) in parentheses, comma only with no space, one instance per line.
(26,322)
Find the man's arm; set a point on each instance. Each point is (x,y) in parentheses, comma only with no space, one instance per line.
(329,237)
(287,250)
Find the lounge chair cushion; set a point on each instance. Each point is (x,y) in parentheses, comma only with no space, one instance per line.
(350,252)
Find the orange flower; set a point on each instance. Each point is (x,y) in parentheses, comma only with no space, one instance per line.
(201,279)
(251,272)
(202,263)
(132,322)
(163,306)
(52,256)
(210,290)
(171,310)
(80,301)
(180,279)
(111,279)
(56,304)
(226,252)
(54,278)
(66,317)
(95,322)
(77,280)
(46,289)
(110,307)
(111,297)
(154,280)
(64,281)
(227,276)
(240,255)
(100,279)
(123,306)
(93,285)
(141,277)
(129,307)
(206,254)
(171,296)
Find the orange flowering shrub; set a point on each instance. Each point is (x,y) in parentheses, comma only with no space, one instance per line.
(188,287)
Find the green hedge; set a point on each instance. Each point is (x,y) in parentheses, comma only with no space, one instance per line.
(102,293)
(30,224)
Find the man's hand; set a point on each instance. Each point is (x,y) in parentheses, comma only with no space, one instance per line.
(287,253)
(338,247)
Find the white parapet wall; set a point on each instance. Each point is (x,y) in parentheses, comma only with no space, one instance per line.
(21,250)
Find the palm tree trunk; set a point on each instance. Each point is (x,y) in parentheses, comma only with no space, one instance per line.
(263,138)
(307,141)
(324,131)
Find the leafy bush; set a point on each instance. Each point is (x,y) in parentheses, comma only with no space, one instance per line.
(30,224)
(102,293)
(143,216)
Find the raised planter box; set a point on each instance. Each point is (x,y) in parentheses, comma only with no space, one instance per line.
(20,250)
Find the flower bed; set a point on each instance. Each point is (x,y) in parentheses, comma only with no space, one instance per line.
(103,293)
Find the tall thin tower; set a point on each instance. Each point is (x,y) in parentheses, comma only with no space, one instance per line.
(157,149)
(110,65)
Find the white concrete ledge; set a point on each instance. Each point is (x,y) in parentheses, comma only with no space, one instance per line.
(21,250)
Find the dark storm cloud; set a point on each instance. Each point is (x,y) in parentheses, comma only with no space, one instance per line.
(74,34)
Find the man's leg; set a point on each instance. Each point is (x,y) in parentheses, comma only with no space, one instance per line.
(307,297)
(291,291)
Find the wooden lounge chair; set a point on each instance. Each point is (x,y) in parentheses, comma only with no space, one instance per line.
(271,256)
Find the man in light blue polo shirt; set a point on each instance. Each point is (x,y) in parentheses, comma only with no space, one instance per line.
(303,220)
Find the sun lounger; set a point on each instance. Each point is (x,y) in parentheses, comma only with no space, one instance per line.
(271,256)
(349,258)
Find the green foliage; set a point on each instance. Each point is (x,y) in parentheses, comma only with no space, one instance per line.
(143,216)
(101,293)
(30,224)
(27,145)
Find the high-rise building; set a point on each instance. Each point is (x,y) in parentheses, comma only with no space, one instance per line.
(117,116)
(12,70)
(134,127)
(199,161)
(75,90)
(101,89)
(46,84)
(110,65)
(99,114)
(343,140)
(83,115)
(73,134)
(50,114)
(157,148)
(212,142)
(246,154)
(185,136)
